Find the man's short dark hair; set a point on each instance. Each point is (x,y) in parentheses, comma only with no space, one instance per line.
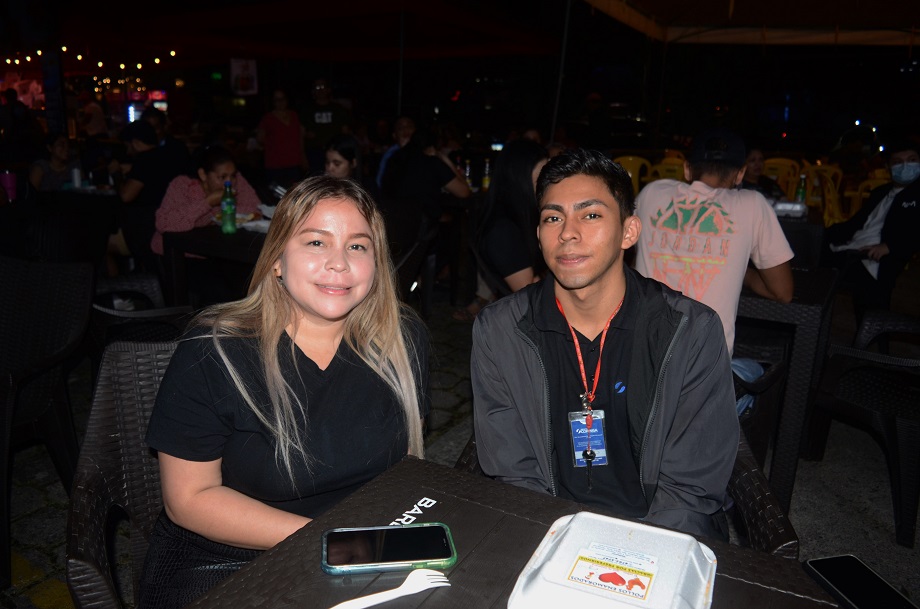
(718,152)
(579,161)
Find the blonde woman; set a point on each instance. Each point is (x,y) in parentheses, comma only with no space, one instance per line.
(277,406)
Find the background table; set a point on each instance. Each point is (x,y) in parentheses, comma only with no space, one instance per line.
(208,241)
(496,527)
(808,315)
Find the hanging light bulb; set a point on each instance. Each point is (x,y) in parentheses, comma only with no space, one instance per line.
(99,64)
(64,49)
(79,57)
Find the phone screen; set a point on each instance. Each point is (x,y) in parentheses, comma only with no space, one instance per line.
(380,545)
(849,579)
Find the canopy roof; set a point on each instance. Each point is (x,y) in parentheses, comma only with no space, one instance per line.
(822,22)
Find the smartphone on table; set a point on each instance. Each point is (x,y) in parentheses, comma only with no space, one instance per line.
(854,584)
(388,548)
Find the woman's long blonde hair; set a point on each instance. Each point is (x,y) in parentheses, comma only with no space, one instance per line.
(374,329)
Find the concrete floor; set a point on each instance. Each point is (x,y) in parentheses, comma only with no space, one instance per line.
(841,504)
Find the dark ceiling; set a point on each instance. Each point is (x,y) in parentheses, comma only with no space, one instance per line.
(205,31)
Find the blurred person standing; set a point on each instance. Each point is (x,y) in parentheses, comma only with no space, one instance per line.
(322,120)
(281,136)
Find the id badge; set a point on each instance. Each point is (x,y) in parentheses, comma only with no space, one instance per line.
(579,431)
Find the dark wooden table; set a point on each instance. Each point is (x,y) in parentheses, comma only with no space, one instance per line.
(208,241)
(808,316)
(496,527)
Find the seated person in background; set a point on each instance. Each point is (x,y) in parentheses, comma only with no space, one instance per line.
(142,184)
(699,237)
(176,148)
(506,237)
(754,179)
(873,246)
(416,178)
(595,338)
(55,171)
(403,129)
(342,157)
(191,202)
(276,407)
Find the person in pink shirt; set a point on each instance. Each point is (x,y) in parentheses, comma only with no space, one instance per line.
(191,202)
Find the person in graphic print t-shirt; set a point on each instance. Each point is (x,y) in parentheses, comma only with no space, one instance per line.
(699,237)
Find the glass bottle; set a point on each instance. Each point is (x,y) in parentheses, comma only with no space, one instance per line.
(802,188)
(228,210)
(486,177)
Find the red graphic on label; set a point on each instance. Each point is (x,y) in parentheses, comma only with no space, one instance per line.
(612,578)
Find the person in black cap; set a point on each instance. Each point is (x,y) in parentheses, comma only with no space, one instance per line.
(699,236)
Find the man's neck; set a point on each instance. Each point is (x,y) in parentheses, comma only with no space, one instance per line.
(713,181)
(588,309)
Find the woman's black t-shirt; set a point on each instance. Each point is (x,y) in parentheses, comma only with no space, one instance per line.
(355,426)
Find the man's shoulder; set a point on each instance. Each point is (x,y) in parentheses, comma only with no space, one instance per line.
(503,314)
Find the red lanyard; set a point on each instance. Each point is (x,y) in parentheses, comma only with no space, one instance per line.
(588,397)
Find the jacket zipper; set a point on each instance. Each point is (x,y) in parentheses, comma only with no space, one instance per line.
(656,401)
(547,422)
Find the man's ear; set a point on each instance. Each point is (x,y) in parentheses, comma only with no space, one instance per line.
(740,175)
(632,228)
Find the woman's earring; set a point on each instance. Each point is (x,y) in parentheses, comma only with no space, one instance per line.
(280,279)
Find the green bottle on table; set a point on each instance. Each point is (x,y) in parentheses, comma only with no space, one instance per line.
(228,210)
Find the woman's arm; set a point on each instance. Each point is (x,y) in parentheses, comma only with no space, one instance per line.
(184,207)
(195,499)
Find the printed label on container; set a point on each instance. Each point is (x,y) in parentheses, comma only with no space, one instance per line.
(616,570)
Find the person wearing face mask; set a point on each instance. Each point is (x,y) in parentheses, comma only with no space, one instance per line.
(872,248)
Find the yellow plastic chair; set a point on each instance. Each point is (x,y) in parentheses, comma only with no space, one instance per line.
(636,167)
(674,171)
(882,173)
(670,153)
(834,172)
(858,197)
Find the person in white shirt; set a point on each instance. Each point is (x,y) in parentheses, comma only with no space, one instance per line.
(873,246)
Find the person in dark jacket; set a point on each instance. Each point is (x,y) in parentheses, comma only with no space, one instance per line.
(597,384)
(873,246)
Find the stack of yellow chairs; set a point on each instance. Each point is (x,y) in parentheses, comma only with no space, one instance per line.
(637,167)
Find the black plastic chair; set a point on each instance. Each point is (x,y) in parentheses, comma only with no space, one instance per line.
(882,393)
(759,422)
(760,520)
(117,474)
(44,312)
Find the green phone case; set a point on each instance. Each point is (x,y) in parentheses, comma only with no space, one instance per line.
(382,565)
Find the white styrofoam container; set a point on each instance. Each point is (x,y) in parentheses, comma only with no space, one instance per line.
(599,561)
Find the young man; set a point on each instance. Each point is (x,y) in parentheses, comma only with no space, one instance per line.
(700,236)
(636,417)
(874,245)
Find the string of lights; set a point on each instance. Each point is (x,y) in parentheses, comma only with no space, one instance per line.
(128,75)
